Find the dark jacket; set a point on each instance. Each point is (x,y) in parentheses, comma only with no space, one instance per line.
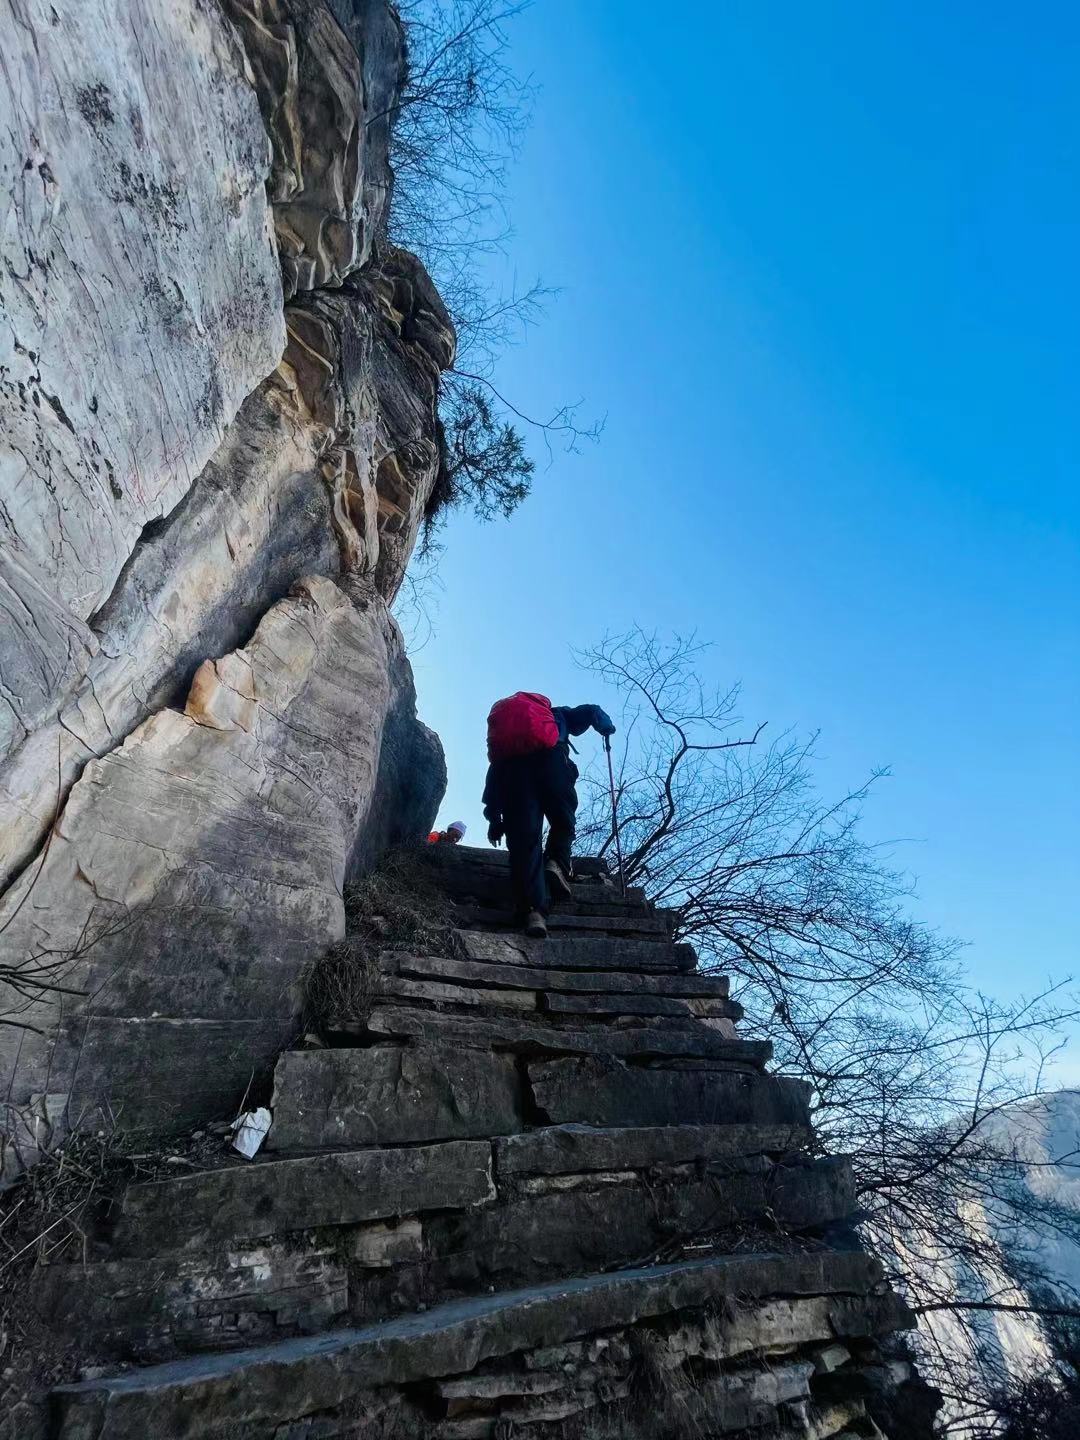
(571,720)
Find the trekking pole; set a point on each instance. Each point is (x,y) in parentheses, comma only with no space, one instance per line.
(615,815)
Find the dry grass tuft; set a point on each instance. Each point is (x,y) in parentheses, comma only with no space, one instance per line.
(399,906)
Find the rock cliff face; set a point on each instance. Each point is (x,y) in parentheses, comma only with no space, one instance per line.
(218,385)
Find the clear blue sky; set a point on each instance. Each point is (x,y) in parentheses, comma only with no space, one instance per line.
(819,270)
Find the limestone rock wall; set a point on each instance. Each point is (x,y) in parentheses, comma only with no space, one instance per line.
(218,390)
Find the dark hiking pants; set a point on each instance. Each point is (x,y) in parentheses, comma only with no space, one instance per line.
(536,788)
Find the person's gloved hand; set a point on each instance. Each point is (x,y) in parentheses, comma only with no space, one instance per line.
(495,833)
(607,730)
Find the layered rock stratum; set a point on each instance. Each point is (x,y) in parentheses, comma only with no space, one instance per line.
(218,390)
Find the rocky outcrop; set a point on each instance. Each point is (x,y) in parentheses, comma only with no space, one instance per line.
(212,474)
(424,1252)
(327,77)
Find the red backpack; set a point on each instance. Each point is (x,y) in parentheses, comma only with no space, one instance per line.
(521,724)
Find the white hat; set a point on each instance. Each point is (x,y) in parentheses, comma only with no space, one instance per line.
(459,826)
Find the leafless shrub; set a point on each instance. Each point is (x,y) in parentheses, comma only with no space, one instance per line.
(49,1214)
(457,126)
(913,1071)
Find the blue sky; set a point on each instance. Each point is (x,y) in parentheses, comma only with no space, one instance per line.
(819,271)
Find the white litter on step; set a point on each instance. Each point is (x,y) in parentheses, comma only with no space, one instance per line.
(251,1128)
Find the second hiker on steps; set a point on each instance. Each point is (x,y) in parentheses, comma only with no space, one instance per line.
(532,778)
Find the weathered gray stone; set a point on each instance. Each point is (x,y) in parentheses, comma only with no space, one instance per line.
(202,1397)
(565,921)
(576,952)
(255,522)
(246,1202)
(437,992)
(692,1039)
(587,1229)
(221,1299)
(743,1400)
(598,1091)
(389,1095)
(538,977)
(386,1243)
(165,1075)
(141,297)
(222,834)
(567,1149)
(593,869)
(604,1006)
(325,470)
(465,879)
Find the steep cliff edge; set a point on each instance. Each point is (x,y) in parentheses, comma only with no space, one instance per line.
(218,389)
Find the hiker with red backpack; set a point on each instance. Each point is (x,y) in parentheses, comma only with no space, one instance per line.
(532,778)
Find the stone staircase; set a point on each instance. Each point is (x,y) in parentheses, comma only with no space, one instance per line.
(539,1189)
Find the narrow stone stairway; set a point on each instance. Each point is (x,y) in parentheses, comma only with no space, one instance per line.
(537,1189)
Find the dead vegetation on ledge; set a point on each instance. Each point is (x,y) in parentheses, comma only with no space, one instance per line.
(399,906)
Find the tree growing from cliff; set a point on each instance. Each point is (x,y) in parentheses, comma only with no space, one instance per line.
(458,125)
(911,1069)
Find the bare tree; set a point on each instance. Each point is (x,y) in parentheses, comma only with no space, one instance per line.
(922,1080)
(457,126)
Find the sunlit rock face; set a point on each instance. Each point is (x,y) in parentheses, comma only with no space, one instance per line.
(141,298)
(218,392)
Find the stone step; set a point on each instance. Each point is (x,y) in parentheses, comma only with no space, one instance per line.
(631,955)
(451,992)
(500,1398)
(567,1200)
(577,1149)
(209,1208)
(489,887)
(456,994)
(692,986)
(249,1392)
(221,1299)
(485,858)
(392,1095)
(558,1225)
(567,920)
(592,1090)
(691,1040)
(603,1006)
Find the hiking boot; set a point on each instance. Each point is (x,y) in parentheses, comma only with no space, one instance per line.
(557,880)
(535,925)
